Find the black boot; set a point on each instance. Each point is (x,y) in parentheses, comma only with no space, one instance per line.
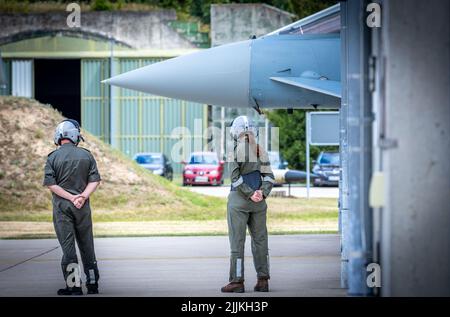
(92,288)
(70,291)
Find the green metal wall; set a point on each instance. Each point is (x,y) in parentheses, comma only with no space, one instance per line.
(143,122)
(95,98)
(5,68)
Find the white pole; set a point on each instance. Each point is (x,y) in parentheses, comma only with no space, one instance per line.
(222,133)
(112,108)
(307,153)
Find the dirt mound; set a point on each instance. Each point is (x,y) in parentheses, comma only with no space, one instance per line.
(26,134)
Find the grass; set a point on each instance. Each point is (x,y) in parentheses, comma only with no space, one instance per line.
(279,209)
(285,216)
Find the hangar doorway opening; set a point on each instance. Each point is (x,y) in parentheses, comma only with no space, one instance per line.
(57,82)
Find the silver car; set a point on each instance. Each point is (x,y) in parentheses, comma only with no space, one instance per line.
(156,163)
(327,169)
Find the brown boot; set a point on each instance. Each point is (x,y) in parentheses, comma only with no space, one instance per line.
(262,285)
(233,287)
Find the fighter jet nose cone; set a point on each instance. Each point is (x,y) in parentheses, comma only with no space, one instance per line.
(217,76)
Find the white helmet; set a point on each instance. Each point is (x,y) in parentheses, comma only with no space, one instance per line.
(241,125)
(68,129)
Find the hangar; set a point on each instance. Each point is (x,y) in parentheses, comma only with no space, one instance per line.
(37,56)
(64,67)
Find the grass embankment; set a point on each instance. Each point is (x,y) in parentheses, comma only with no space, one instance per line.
(131,201)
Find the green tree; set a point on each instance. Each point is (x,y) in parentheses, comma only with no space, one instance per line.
(303,8)
(101,5)
(293,137)
(201,8)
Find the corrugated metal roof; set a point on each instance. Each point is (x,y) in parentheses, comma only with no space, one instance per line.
(75,47)
(99,54)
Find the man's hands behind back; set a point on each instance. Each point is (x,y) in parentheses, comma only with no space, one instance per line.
(78,201)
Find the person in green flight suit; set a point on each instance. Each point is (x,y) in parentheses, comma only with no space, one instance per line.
(71,175)
(251,182)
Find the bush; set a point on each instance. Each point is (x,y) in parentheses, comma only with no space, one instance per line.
(101,5)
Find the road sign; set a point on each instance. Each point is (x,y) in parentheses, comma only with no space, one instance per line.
(322,128)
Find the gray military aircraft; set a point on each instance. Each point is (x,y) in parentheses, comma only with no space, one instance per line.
(265,72)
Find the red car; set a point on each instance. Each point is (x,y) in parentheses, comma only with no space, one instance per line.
(203,168)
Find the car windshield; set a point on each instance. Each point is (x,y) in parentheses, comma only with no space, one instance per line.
(148,159)
(329,159)
(203,159)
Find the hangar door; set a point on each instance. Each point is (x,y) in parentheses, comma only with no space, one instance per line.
(22,78)
(57,82)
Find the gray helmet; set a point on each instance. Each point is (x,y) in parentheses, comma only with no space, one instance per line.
(68,129)
(241,125)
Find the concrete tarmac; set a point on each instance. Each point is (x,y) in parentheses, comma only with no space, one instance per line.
(301,265)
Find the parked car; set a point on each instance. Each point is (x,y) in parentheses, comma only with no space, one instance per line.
(158,163)
(203,168)
(327,169)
